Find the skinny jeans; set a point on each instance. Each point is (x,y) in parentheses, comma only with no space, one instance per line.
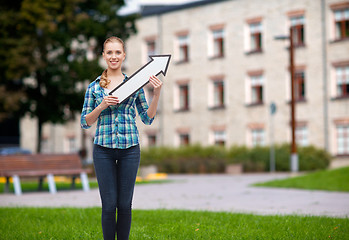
(116,171)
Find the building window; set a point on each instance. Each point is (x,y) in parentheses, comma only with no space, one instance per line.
(150,47)
(342,81)
(183,97)
(255,36)
(258,137)
(183,45)
(299,85)
(219,138)
(302,135)
(72,144)
(341,17)
(184,139)
(256,89)
(343,139)
(151,140)
(216,93)
(216,41)
(297,23)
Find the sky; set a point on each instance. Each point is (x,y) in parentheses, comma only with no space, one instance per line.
(133,5)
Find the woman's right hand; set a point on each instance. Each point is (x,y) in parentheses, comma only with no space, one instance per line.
(108,101)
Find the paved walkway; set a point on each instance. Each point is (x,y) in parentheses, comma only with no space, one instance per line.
(231,193)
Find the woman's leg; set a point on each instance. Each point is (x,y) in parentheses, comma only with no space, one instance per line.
(127,168)
(105,166)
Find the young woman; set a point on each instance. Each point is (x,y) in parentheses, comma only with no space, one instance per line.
(116,152)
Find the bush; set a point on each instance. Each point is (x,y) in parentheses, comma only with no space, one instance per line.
(252,159)
(311,158)
(282,156)
(238,154)
(213,159)
(188,159)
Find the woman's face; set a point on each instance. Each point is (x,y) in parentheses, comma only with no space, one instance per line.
(114,55)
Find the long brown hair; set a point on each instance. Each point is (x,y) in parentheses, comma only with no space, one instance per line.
(104,82)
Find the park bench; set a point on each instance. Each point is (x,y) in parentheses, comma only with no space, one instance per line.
(41,166)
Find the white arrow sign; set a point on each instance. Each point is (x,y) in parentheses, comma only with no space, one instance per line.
(158,64)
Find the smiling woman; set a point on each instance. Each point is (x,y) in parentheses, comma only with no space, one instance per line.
(116,153)
(113,54)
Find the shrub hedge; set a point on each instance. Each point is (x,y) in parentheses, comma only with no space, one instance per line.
(214,159)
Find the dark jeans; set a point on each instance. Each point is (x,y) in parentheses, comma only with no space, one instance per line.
(116,171)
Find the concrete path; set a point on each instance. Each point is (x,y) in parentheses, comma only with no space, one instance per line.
(231,193)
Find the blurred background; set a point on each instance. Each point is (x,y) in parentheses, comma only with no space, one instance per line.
(228,86)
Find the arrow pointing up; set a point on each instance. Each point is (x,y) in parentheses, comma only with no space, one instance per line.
(158,64)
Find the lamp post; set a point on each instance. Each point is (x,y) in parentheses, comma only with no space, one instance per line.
(294,156)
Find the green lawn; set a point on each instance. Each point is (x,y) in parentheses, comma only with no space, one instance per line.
(329,180)
(77,223)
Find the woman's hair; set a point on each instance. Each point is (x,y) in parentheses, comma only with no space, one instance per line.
(104,82)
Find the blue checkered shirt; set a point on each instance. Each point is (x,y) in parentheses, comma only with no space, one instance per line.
(116,126)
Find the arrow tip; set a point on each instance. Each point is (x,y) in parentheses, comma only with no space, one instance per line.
(163,61)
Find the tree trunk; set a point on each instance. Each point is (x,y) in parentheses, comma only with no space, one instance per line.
(39,136)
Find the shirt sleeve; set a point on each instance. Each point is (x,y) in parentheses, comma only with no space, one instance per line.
(88,107)
(142,108)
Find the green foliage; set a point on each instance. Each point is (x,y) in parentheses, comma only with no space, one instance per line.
(188,159)
(311,158)
(282,156)
(36,39)
(213,159)
(257,159)
(329,180)
(238,154)
(84,223)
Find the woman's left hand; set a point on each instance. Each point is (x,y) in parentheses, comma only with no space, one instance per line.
(157,84)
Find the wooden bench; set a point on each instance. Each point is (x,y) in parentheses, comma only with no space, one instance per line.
(41,166)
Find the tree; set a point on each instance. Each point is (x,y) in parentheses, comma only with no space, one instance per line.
(50,47)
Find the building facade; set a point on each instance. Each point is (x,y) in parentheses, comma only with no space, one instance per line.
(228,68)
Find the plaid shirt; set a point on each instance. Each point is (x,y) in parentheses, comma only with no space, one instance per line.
(116,126)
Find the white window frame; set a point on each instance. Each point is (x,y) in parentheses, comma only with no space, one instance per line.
(302,137)
(255,80)
(219,135)
(340,14)
(213,52)
(182,40)
(342,139)
(341,77)
(213,102)
(177,98)
(257,137)
(255,27)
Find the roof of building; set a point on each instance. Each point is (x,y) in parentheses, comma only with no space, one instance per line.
(149,10)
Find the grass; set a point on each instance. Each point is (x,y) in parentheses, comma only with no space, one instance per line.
(328,180)
(84,223)
(76,223)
